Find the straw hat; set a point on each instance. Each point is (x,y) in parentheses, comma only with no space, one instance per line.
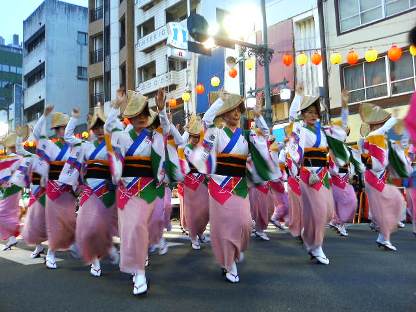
(151,118)
(59,120)
(10,140)
(136,103)
(23,132)
(274,147)
(307,101)
(231,101)
(373,114)
(194,126)
(97,116)
(364,129)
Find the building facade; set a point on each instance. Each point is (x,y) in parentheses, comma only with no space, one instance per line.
(10,72)
(55,53)
(111,49)
(362,25)
(16,108)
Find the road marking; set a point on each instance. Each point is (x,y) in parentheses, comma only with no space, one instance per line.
(20,256)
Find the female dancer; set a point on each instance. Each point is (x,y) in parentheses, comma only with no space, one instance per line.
(137,169)
(223,155)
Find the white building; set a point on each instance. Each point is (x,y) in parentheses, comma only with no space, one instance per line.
(160,64)
(55,51)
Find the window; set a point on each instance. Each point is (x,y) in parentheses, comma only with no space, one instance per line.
(402,76)
(35,111)
(82,73)
(4,68)
(82,38)
(33,43)
(355,13)
(35,75)
(13,69)
(19,70)
(146,72)
(380,79)
(122,41)
(146,28)
(176,64)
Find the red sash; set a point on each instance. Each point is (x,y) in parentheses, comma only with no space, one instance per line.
(54,190)
(264,188)
(305,174)
(294,185)
(374,181)
(35,196)
(193,181)
(339,181)
(277,186)
(222,194)
(125,193)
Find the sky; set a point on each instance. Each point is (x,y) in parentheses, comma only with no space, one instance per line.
(13,12)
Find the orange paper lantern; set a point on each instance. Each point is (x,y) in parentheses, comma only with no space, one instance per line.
(352,57)
(287,59)
(232,73)
(200,88)
(394,53)
(172,103)
(316,58)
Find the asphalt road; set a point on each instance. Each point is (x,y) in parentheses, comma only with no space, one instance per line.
(276,276)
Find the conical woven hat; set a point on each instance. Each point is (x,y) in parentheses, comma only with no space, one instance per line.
(97,116)
(373,114)
(364,129)
(308,101)
(152,118)
(136,103)
(231,101)
(59,120)
(23,132)
(10,140)
(194,126)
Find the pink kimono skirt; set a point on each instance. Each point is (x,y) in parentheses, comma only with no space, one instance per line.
(345,203)
(34,230)
(295,208)
(385,207)
(230,228)
(157,221)
(261,206)
(9,216)
(94,229)
(134,220)
(317,211)
(60,216)
(196,209)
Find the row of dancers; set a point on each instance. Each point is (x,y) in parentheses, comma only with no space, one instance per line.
(120,179)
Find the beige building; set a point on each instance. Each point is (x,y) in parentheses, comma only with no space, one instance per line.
(111,49)
(361,25)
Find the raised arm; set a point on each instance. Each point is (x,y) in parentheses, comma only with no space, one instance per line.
(209,116)
(295,105)
(70,128)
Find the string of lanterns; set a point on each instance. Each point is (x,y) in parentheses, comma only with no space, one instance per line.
(371,55)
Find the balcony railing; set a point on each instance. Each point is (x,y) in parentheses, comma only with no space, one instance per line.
(96,56)
(97,98)
(96,14)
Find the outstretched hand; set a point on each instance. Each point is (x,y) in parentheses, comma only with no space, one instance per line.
(160,99)
(48,110)
(75,112)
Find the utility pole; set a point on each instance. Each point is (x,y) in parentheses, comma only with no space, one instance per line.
(267,98)
(324,58)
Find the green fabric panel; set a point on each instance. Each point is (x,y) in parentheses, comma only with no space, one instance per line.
(396,163)
(338,148)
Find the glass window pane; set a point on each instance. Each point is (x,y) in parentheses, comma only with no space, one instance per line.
(396,6)
(375,73)
(371,15)
(403,86)
(350,23)
(369,4)
(353,77)
(357,96)
(401,69)
(347,8)
(375,92)
(412,3)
